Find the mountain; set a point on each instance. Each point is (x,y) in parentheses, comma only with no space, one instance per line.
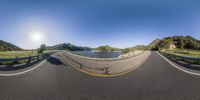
(154,45)
(139,47)
(67,46)
(6,46)
(182,42)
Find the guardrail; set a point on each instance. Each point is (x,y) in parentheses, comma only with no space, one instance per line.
(24,59)
(182,58)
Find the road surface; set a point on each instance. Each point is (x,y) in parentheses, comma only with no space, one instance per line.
(156,79)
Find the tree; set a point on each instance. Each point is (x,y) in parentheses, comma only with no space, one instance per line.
(42,48)
(126,50)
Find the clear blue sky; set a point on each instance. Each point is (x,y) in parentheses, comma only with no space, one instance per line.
(119,23)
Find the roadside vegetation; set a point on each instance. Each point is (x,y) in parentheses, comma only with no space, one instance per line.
(24,53)
(179,47)
(185,53)
(14,54)
(21,54)
(180,54)
(180,42)
(126,50)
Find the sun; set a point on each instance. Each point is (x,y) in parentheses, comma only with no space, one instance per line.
(37,36)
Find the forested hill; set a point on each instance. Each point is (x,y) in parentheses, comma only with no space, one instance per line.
(182,42)
(6,46)
(106,48)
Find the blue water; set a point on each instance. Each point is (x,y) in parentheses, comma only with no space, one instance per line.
(98,54)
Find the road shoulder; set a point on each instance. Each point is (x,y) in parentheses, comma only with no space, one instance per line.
(181,68)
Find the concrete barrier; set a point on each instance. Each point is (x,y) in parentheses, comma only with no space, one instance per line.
(106,66)
(139,52)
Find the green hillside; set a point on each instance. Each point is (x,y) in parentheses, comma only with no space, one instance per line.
(106,48)
(6,46)
(175,42)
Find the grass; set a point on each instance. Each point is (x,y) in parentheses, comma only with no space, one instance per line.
(19,54)
(185,53)
(182,59)
(14,54)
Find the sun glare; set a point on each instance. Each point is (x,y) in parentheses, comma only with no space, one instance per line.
(37,36)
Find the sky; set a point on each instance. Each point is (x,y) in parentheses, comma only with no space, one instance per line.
(118,23)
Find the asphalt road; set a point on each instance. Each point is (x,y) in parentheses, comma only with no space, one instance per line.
(156,79)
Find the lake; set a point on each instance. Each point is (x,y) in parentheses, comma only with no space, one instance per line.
(95,54)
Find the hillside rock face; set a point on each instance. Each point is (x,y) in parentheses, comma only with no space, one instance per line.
(182,42)
(6,46)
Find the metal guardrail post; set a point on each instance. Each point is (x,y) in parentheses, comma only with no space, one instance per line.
(106,70)
(37,57)
(29,60)
(15,61)
(81,66)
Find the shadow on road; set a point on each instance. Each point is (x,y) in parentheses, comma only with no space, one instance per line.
(55,61)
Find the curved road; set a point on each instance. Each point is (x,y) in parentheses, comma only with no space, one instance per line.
(156,79)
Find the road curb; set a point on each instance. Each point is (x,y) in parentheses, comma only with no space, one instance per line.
(106,75)
(178,66)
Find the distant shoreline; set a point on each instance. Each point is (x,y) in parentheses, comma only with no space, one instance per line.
(102,51)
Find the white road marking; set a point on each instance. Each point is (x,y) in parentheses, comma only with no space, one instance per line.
(176,66)
(19,73)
